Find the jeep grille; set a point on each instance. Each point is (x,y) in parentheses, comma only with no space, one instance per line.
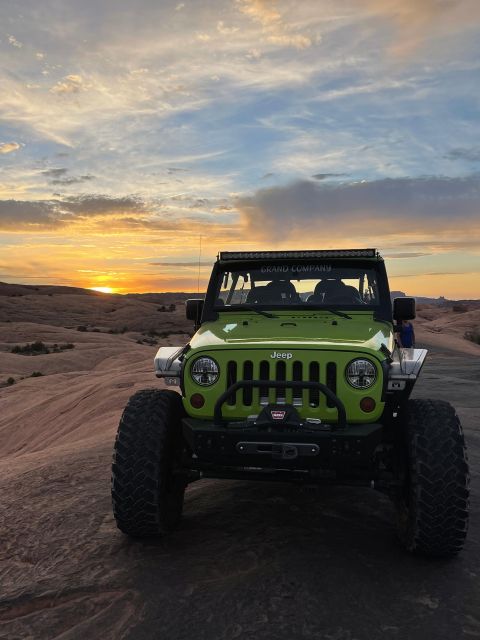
(279,370)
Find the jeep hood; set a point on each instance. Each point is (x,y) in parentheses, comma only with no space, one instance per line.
(308,330)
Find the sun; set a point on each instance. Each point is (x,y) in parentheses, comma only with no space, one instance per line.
(102,289)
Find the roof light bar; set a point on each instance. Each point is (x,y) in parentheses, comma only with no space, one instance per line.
(323,253)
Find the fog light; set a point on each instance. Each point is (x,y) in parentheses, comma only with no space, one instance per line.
(197,401)
(367,404)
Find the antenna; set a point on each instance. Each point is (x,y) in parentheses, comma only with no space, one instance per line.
(199,257)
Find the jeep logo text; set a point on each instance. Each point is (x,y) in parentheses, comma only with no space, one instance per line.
(281,356)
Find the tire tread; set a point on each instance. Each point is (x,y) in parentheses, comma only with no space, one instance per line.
(439,479)
(143,503)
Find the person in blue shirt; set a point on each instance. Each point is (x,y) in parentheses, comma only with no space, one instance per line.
(406,335)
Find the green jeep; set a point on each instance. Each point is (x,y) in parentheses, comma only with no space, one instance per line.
(294,374)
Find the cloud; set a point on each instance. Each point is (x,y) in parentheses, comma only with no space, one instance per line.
(431,273)
(471,154)
(401,206)
(418,20)
(140,223)
(124,83)
(464,244)
(264,11)
(8,147)
(224,30)
(54,173)
(99,205)
(325,176)
(14,42)
(101,214)
(405,254)
(73,180)
(172,170)
(200,203)
(273,25)
(59,177)
(181,264)
(69,84)
(374,87)
(16,215)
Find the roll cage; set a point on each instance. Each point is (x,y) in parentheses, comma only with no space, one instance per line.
(382,309)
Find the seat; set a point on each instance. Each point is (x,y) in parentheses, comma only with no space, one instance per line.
(255,295)
(334,291)
(277,292)
(326,289)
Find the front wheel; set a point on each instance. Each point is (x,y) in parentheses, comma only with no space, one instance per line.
(433,508)
(147,496)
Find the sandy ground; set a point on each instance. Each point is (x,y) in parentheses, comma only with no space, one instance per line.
(249,561)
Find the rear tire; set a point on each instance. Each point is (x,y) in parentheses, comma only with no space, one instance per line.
(433,510)
(147,497)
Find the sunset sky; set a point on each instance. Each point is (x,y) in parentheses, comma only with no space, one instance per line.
(131,131)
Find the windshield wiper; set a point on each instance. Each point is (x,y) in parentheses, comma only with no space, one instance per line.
(251,307)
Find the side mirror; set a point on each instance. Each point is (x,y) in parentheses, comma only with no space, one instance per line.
(193,310)
(404,308)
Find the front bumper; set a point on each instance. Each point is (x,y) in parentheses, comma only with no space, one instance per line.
(344,454)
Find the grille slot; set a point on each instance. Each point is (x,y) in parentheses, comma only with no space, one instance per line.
(248,375)
(297,394)
(281,376)
(314,376)
(231,379)
(331,381)
(264,375)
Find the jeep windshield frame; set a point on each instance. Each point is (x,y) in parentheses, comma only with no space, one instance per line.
(381,308)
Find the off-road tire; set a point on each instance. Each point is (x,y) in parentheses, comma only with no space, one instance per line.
(147,497)
(433,510)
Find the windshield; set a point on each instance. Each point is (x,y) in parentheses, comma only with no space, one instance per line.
(304,285)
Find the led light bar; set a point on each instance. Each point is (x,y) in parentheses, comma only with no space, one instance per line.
(323,253)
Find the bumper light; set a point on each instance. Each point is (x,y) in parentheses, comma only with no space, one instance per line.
(197,401)
(367,404)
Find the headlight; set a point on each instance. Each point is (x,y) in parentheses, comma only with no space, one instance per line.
(205,371)
(361,374)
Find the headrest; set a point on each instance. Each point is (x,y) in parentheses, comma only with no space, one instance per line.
(328,286)
(281,286)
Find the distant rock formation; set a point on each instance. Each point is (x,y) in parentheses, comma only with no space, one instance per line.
(397,294)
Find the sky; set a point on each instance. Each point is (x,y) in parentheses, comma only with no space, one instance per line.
(137,137)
